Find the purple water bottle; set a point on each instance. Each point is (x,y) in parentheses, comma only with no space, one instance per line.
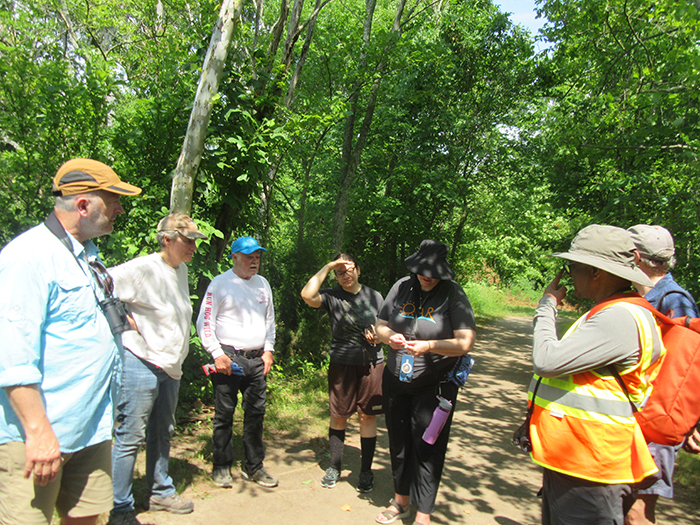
(442,412)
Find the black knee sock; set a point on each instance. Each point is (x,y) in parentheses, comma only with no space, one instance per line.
(367,446)
(337,439)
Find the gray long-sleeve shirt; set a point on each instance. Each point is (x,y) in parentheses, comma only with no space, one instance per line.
(610,336)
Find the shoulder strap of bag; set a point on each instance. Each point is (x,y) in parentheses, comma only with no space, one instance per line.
(531,408)
(683,293)
(54,226)
(633,298)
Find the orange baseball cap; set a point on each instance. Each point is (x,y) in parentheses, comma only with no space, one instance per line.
(85,175)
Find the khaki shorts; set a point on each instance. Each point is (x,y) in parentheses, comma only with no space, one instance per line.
(355,389)
(83,487)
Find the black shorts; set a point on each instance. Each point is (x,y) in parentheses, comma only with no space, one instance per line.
(355,389)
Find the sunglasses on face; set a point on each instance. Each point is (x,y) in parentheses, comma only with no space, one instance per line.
(186,240)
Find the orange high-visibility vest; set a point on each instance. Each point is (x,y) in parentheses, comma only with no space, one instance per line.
(583,424)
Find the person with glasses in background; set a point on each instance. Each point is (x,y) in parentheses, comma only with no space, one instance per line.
(59,363)
(428,323)
(156,290)
(357,362)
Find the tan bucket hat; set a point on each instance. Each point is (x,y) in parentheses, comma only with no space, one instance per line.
(609,248)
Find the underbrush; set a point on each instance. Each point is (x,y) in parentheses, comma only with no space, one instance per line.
(298,398)
(490,302)
(686,477)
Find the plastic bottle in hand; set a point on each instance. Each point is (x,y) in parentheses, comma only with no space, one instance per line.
(210,368)
(440,415)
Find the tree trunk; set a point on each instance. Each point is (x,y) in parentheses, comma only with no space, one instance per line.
(193,145)
(351,154)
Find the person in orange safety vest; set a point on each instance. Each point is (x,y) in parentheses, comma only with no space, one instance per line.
(583,431)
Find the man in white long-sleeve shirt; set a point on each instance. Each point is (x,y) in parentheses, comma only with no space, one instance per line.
(236,324)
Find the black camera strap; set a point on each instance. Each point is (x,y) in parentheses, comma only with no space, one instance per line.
(531,408)
(54,226)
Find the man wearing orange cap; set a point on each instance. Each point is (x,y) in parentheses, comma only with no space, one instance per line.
(59,321)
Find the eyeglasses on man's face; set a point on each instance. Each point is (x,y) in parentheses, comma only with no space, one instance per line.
(187,241)
(571,267)
(339,275)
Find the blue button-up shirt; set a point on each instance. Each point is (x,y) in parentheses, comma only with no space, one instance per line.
(55,335)
(668,296)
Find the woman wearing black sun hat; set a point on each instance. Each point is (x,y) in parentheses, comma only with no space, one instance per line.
(428,323)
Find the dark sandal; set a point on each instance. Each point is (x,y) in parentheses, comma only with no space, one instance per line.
(389,516)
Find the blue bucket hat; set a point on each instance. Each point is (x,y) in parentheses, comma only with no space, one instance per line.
(246,245)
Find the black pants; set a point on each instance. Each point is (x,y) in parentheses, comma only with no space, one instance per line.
(417,466)
(253,387)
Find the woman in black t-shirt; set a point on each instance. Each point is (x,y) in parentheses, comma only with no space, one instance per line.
(355,371)
(427,321)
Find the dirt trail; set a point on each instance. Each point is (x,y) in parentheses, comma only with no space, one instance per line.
(486,479)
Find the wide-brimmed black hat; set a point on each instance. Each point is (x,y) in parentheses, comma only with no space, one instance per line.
(430,261)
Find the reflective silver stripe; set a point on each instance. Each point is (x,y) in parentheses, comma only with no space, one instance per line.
(608,407)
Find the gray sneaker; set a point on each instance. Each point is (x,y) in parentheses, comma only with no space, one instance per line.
(123,518)
(261,477)
(331,478)
(174,504)
(222,477)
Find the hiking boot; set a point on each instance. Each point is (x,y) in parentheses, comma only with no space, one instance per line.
(331,478)
(123,518)
(366,483)
(222,477)
(261,477)
(174,504)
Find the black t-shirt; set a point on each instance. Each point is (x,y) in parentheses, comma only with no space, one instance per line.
(350,314)
(420,315)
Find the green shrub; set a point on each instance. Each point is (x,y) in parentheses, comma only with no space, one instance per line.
(687,476)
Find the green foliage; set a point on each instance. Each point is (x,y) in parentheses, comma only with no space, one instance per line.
(298,400)
(475,140)
(687,475)
(627,74)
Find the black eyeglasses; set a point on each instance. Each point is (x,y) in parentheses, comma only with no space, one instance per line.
(341,274)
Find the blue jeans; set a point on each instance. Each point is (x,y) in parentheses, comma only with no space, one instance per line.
(146,411)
